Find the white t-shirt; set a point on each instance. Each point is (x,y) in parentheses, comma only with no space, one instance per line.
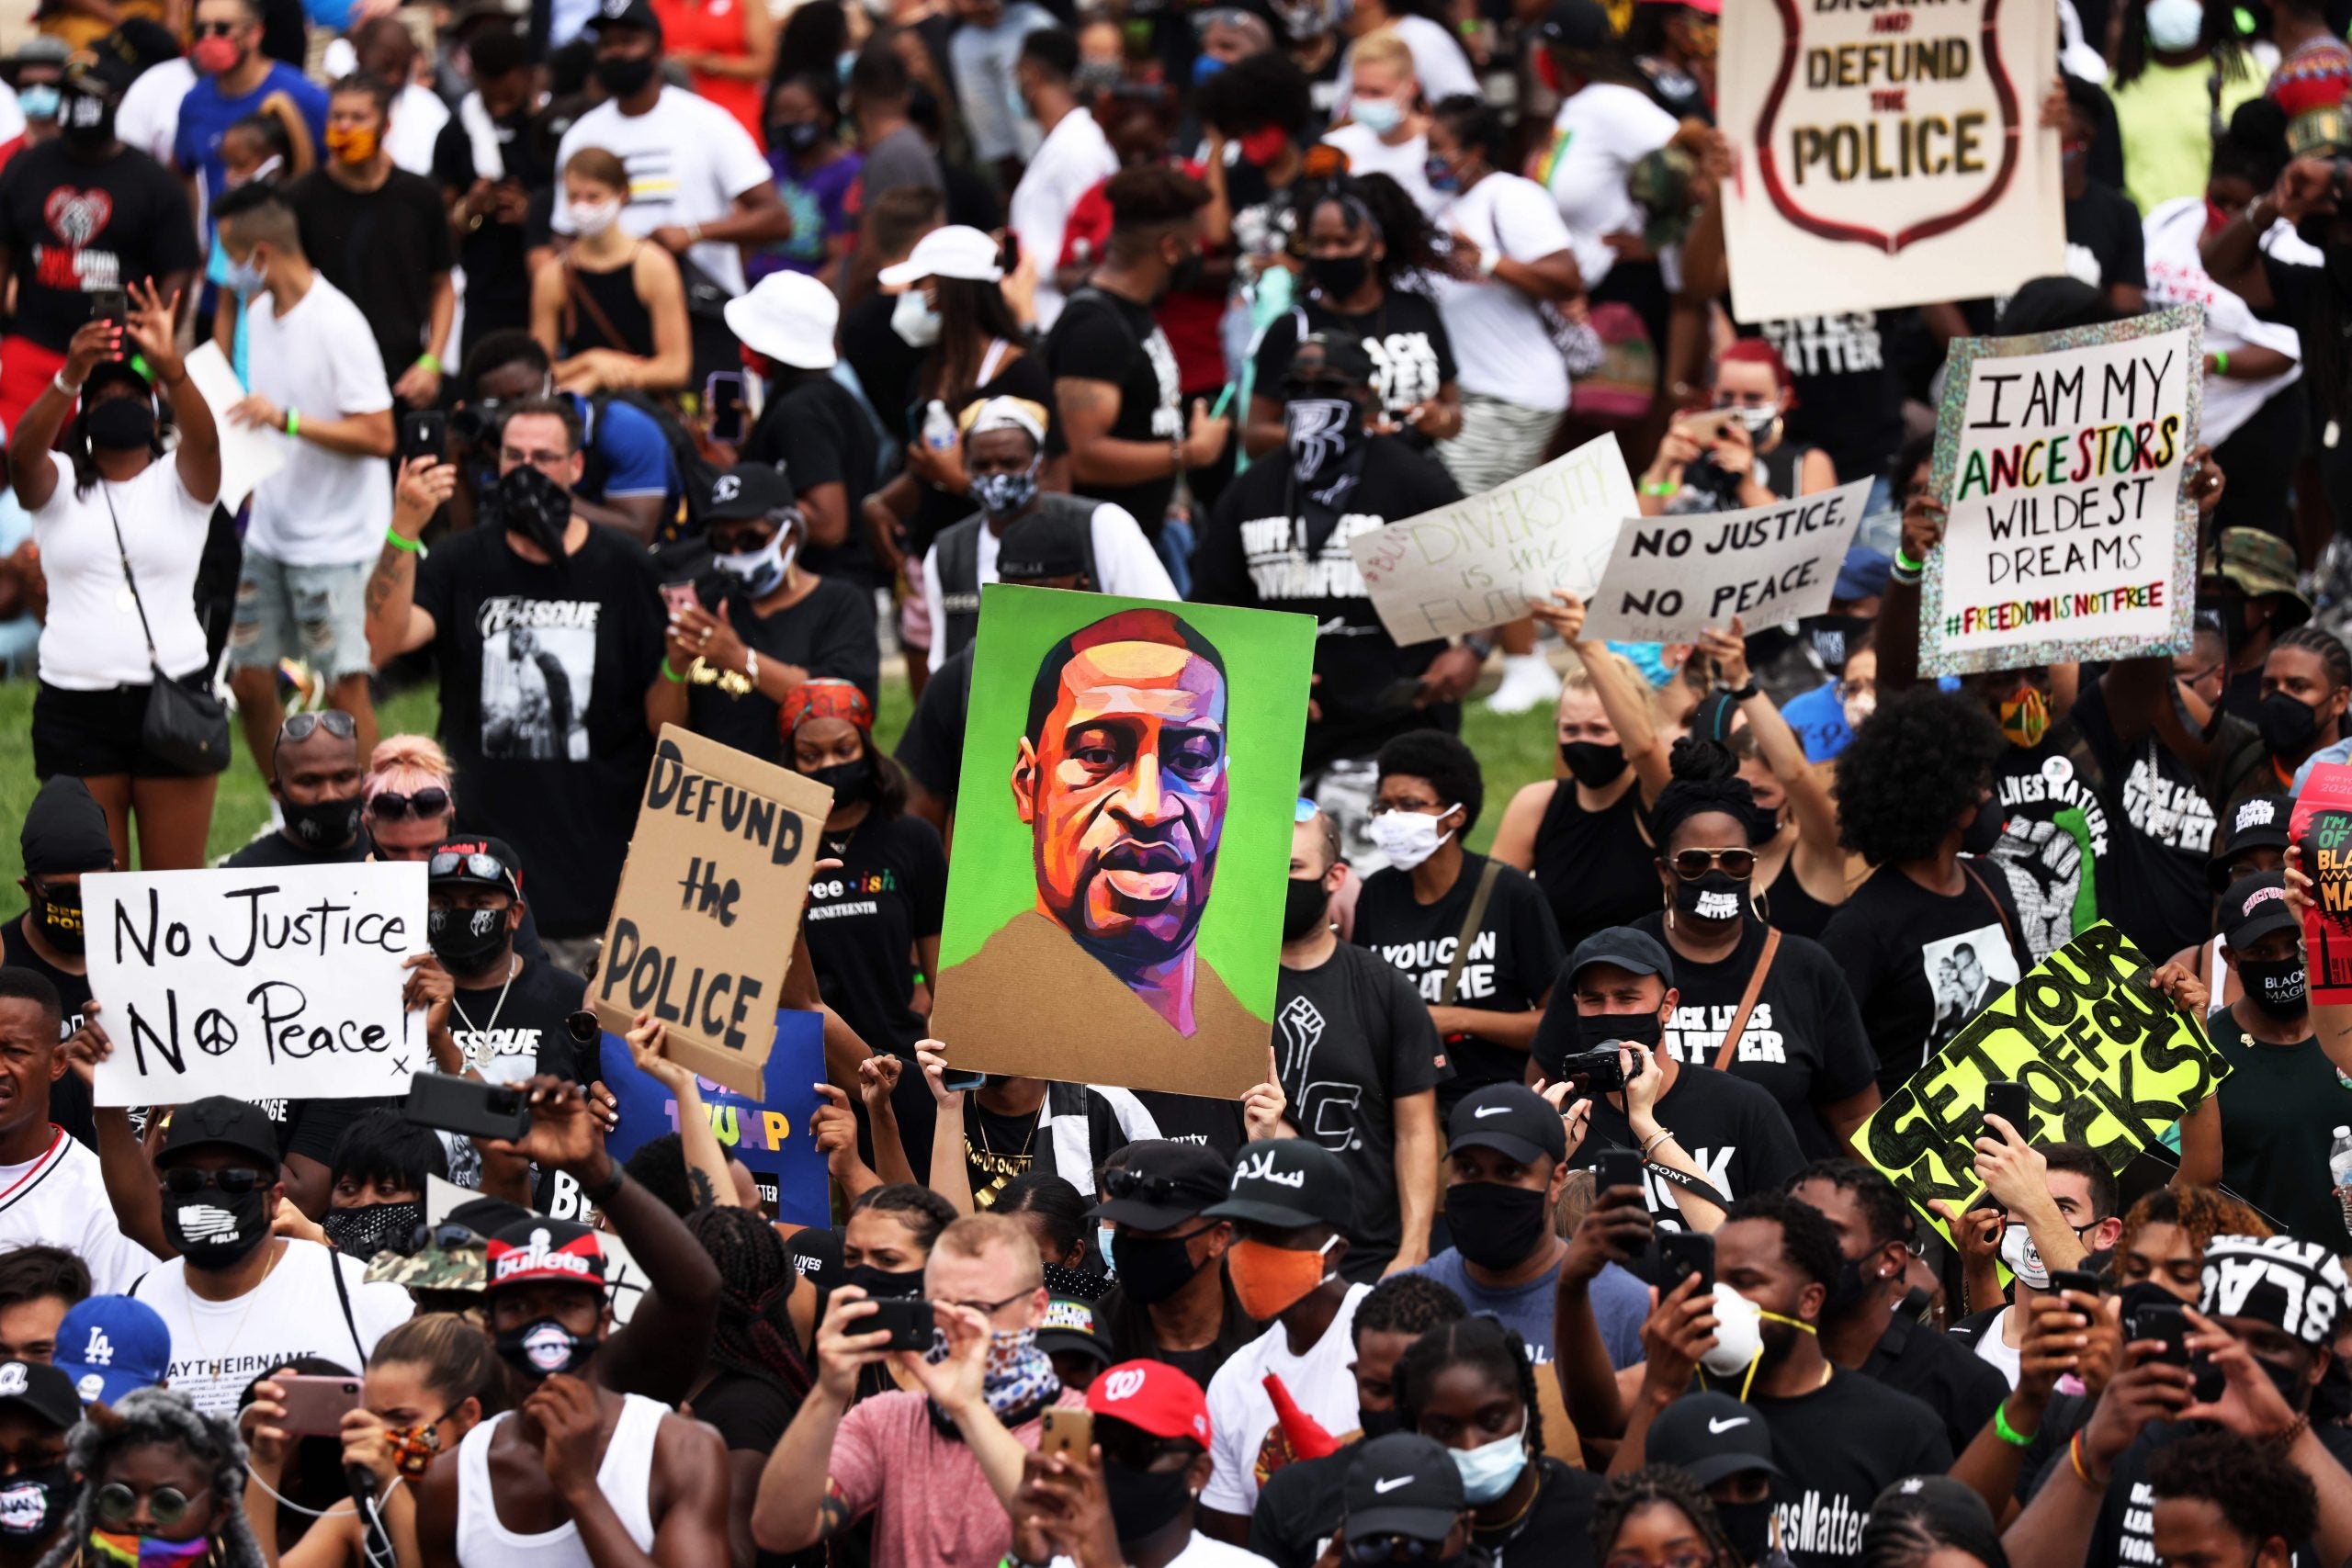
(323,508)
(2177,276)
(219,1346)
(1501,347)
(1406,162)
(1200,1552)
(418,115)
(60,1199)
(1074,158)
(687,161)
(1129,565)
(91,641)
(149,119)
(1990,1347)
(1439,63)
(1598,135)
(1240,1414)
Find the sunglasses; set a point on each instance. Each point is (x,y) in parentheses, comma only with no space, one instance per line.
(116,1502)
(336,723)
(444,1237)
(1294,390)
(1692,864)
(1395,1548)
(1128,1184)
(1303,810)
(392,806)
(584,1026)
(450,862)
(236,1181)
(216,29)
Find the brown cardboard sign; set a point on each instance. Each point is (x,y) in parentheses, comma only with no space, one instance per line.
(709,904)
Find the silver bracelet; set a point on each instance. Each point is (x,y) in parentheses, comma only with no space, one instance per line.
(70,388)
(751,665)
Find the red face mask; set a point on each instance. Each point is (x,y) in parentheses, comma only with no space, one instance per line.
(1264,146)
(757,363)
(2216,217)
(213,55)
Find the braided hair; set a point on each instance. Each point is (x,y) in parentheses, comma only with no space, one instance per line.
(1622,1496)
(1707,778)
(754,1335)
(2333,657)
(1481,1342)
(151,1416)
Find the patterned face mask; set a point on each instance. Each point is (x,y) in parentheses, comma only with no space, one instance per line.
(414,1446)
(1018,1376)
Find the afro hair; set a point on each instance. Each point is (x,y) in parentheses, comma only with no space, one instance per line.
(1911,771)
(2262,1495)
(1451,768)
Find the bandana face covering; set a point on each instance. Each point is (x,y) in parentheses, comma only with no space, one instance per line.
(1004,495)
(1019,1376)
(535,506)
(121,1550)
(2025,719)
(367,1229)
(413,1448)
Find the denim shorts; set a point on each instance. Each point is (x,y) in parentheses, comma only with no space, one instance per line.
(315,614)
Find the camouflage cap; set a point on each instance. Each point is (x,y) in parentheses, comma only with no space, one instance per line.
(2258,564)
(461,1267)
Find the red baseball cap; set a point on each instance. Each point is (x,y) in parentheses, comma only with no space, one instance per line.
(1153,1397)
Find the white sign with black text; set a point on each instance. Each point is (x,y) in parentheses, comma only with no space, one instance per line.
(1670,578)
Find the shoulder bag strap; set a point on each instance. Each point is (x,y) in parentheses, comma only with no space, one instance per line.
(1478,901)
(1982,887)
(575,291)
(122,552)
(1747,1000)
(343,1299)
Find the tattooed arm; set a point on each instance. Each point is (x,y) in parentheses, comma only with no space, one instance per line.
(395,625)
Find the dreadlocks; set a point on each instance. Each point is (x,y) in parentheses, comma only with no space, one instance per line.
(1480,1342)
(1622,1496)
(754,1334)
(148,1417)
(2201,1212)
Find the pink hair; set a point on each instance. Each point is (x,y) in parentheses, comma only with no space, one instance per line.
(406,764)
(1756,350)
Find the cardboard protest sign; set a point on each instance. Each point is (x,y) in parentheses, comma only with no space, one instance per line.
(768,1132)
(280,981)
(709,904)
(1475,563)
(2107,1061)
(1122,840)
(1671,577)
(2069,535)
(2322,826)
(624,1283)
(1886,156)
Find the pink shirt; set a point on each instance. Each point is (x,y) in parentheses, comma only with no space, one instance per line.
(941,1509)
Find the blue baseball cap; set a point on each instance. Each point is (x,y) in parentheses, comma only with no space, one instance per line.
(110,1346)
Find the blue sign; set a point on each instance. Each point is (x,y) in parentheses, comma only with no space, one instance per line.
(769,1134)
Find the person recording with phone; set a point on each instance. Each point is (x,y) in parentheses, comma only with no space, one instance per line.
(1736,453)
(1140,1501)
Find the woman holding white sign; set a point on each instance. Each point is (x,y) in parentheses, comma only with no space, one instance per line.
(1736,454)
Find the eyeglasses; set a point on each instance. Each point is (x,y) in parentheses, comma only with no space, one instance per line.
(485,866)
(1692,864)
(392,806)
(167,1505)
(336,723)
(236,1181)
(216,29)
(987,1308)
(1400,1549)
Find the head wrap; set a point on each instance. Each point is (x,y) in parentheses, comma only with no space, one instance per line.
(65,830)
(1004,413)
(825,697)
(2295,1286)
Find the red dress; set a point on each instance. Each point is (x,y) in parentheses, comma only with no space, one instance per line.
(716,26)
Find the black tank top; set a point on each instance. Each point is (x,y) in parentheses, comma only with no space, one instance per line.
(615,293)
(1594,867)
(1792,909)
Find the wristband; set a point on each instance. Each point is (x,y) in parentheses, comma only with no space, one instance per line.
(392,537)
(1904,563)
(430,362)
(603,1192)
(2082,1471)
(694,234)
(751,665)
(1664,1134)
(670,675)
(1648,488)
(293,421)
(1741,694)
(69,388)
(2220,362)
(1487,262)
(2003,1430)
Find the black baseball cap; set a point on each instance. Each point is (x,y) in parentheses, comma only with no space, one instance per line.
(468,861)
(536,1250)
(747,491)
(1048,543)
(1637,953)
(2258,822)
(1287,1183)
(220,1122)
(1405,1484)
(1072,1325)
(41,1389)
(1164,1184)
(1577,24)
(2254,908)
(635,13)
(1709,1436)
(1343,355)
(1510,1118)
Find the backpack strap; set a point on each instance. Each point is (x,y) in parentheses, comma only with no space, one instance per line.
(1747,1000)
(1470,923)
(343,1299)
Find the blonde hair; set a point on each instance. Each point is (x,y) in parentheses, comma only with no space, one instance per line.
(406,764)
(1577,679)
(1382,46)
(604,168)
(973,1234)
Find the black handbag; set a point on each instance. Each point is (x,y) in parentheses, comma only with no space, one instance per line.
(186,727)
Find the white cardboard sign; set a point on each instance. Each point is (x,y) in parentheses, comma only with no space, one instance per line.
(1673,577)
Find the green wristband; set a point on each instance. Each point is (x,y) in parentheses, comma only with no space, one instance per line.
(1657,489)
(2220,362)
(430,362)
(293,421)
(2003,1430)
(1904,563)
(669,674)
(392,537)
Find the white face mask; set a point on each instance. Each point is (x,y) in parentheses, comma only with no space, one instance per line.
(1757,421)
(914,320)
(1379,116)
(2017,1252)
(589,218)
(1409,838)
(2174,24)
(1739,1333)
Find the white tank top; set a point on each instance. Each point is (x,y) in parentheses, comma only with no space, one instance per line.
(625,1477)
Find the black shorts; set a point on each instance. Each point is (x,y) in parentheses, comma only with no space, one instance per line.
(92,734)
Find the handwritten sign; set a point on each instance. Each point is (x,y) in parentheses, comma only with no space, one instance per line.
(709,904)
(1671,577)
(269,981)
(1476,562)
(2322,826)
(1886,156)
(2059,457)
(768,1132)
(2107,1061)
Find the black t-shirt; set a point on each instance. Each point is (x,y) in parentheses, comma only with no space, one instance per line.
(1103,337)
(829,633)
(1128,1327)
(885,363)
(1299,1509)
(1411,355)
(541,664)
(1514,957)
(2055,836)
(1353,1037)
(69,1096)
(70,227)
(509,1032)
(1249,554)
(1803,1042)
(1731,1129)
(1942,1372)
(1850,401)
(2105,226)
(864,920)
(997,1149)
(384,248)
(1556,1529)
(1922,965)
(931,749)
(498,277)
(2152,882)
(751,1415)
(815,431)
(2280,1106)
(2124,1536)
(275,849)
(1838,1447)
(1595,867)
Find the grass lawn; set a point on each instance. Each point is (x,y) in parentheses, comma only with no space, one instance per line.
(1512,751)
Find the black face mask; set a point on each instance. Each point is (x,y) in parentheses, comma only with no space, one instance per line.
(1717,897)
(1600,1029)
(848,780)
(2277,986)
(2290,1382)
(543,1348)
(32,1502)
(1847,1289)
(60,921)
(1763,824)
(1592,764)
(1304,906)
(2288,725)
(1495,1226)
(1748,1526)
(1152,1269)
(531,504)
(1984,829)
(1320,432)
(1379,1423)
(621,76)
(1143,1502)
(213,1229)
(1338,278)
(323,825)
(2135,1298)
(465,941)
(797,138)
(122,424)
(2236,635)
(883,1282)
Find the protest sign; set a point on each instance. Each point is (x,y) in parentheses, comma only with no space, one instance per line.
(1476,562)
(279,981)
(624,1283)
(2069,535)
(249,453)
(2322,826)
(1671,577)
(1115,905)
(1886,156)
(709,904)
(2107,1060)
(768,1132)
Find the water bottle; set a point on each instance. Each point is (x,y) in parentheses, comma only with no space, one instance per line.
(938,426)
(2339,1171)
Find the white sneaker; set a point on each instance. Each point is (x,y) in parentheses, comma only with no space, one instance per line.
(1529,682)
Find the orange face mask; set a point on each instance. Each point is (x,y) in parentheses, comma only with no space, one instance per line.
(1272,1279)
(352,146)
